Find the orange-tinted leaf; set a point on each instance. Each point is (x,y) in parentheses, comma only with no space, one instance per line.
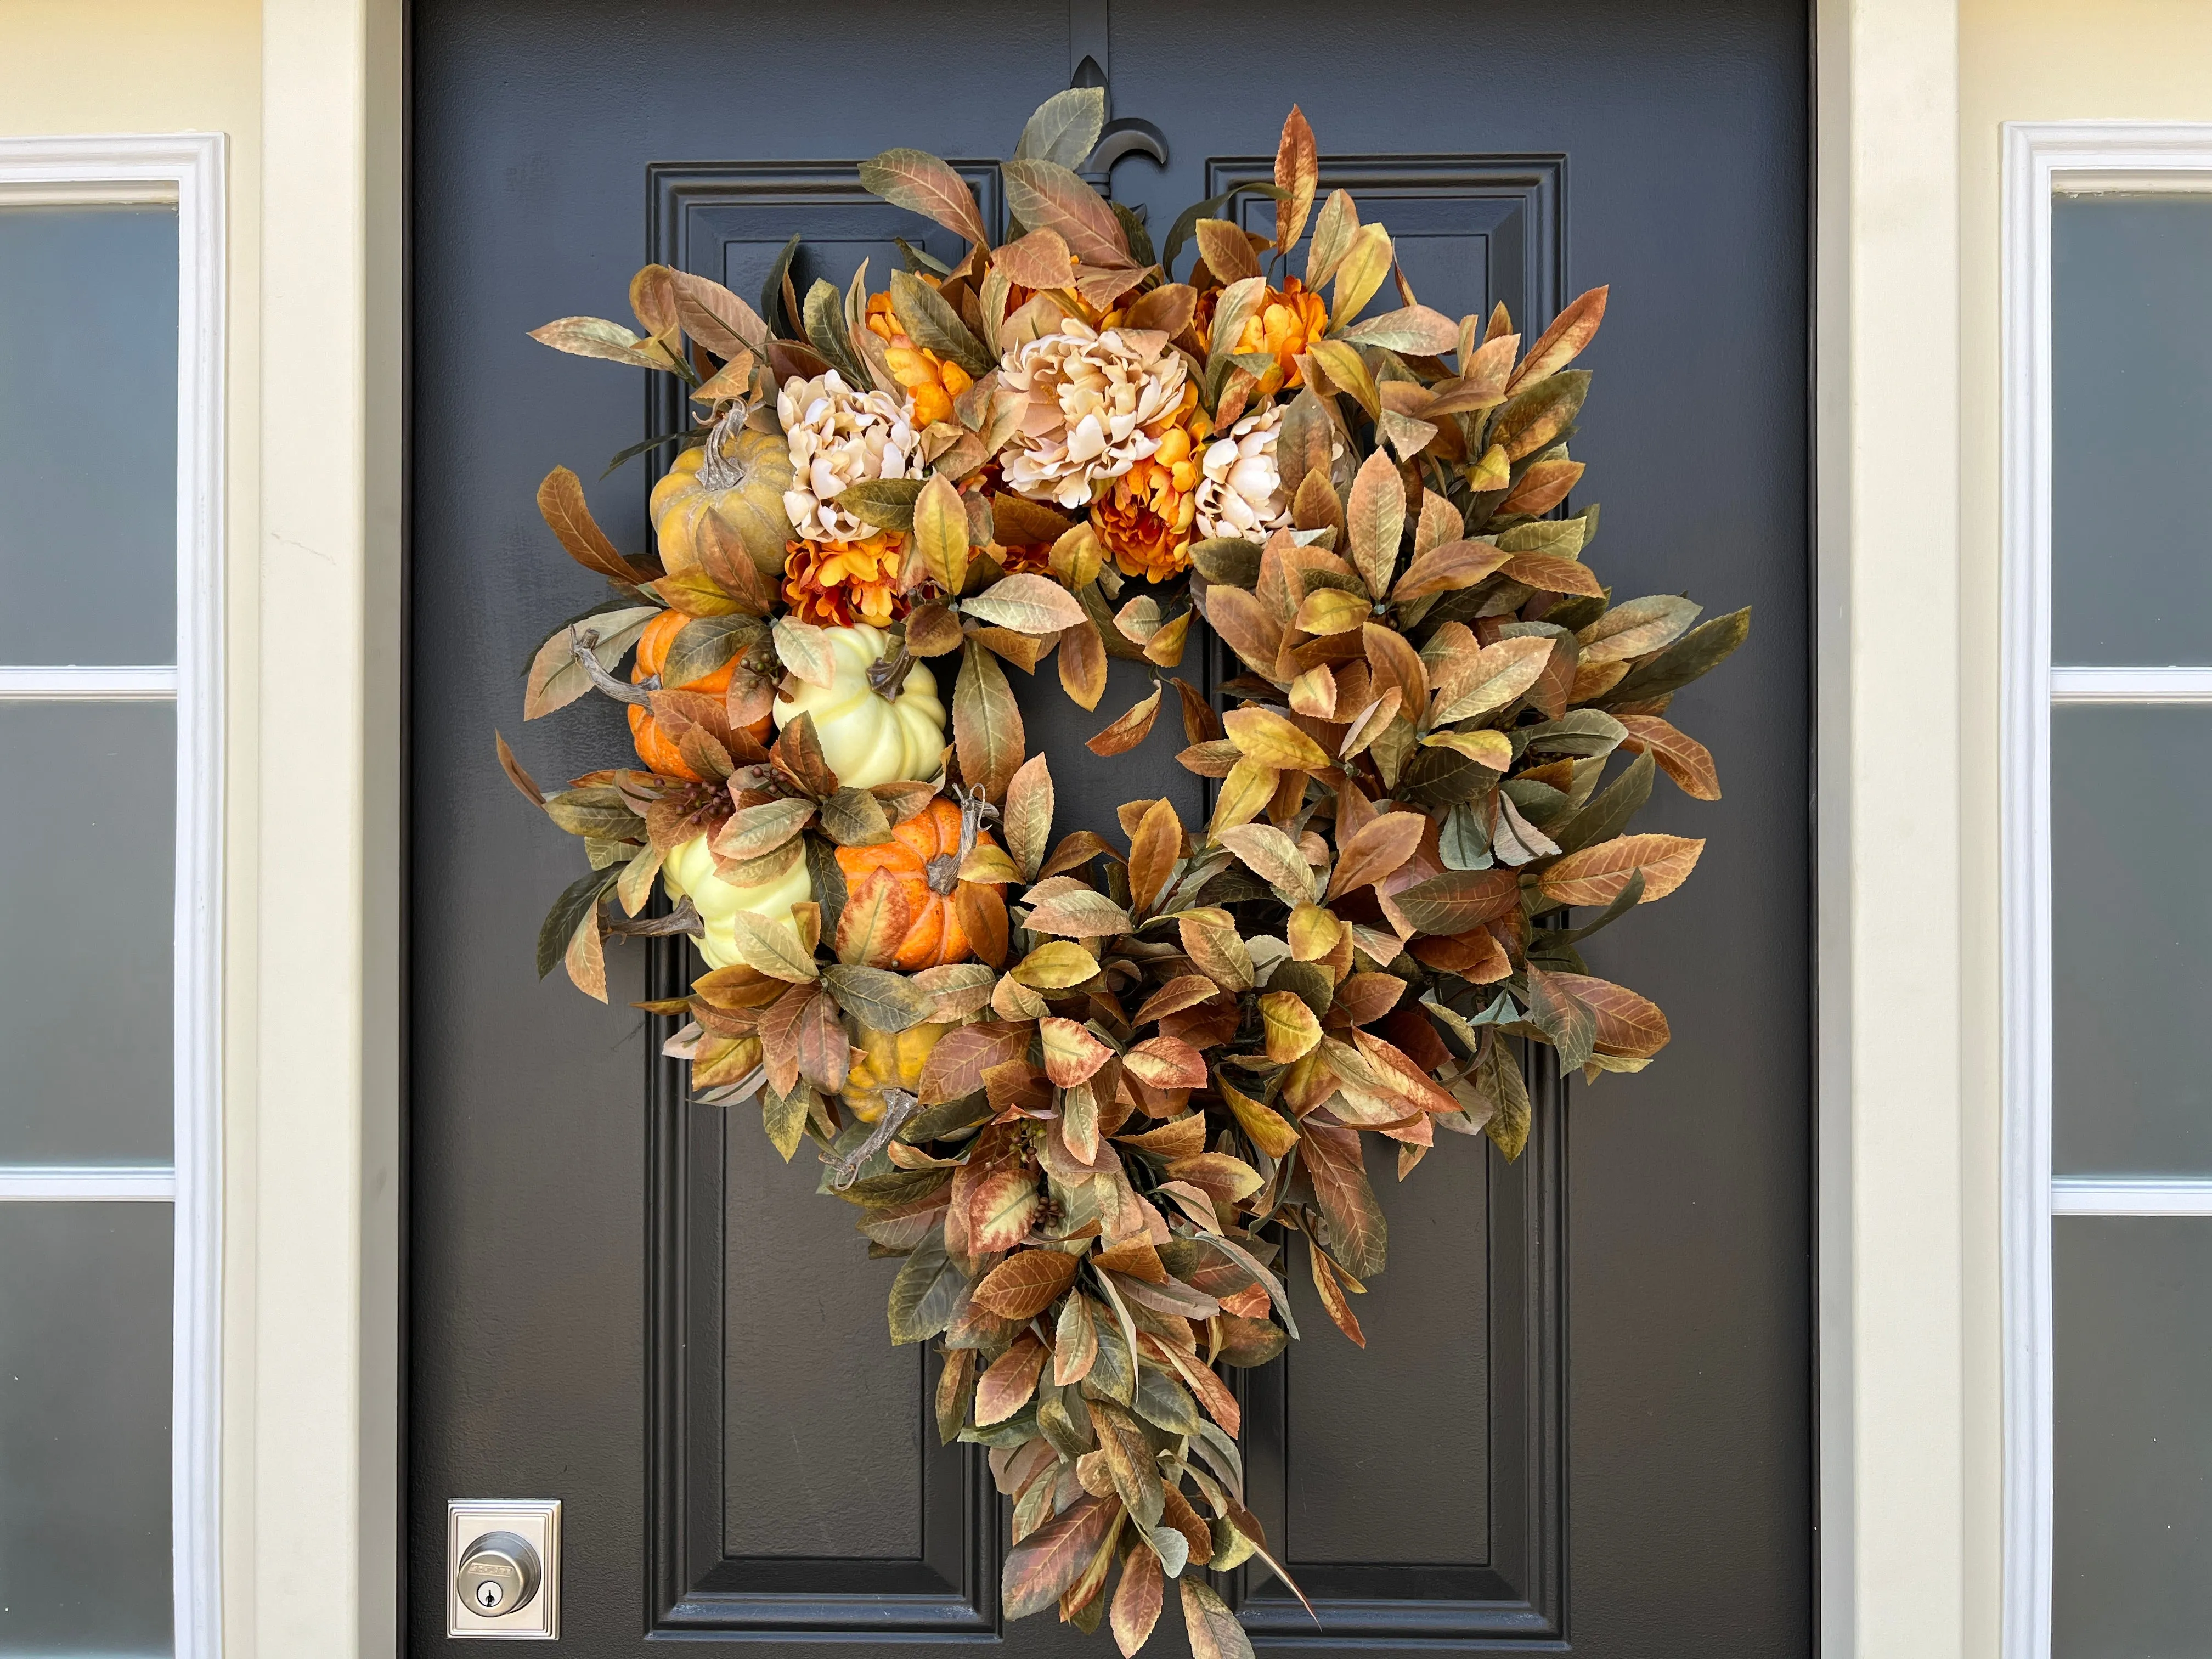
(1595,875)
(1627,1024)
(956,1065)
(1332,1298)
(1072,1053)
(1153,851)
(1682,756)
(1379,847)
(1570,331)
(1006,1387)
(1132,729)
(1167,1062)
(1358,1235)
(1297,175)
(1049,1560)
(1026,1283)
(1000,1210)
(987,726)
(1137,1599)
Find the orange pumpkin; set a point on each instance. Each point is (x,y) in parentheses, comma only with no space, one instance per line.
(653,747)
(934,935)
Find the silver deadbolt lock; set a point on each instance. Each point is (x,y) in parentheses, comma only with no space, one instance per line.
(500,1573)
(503,1566)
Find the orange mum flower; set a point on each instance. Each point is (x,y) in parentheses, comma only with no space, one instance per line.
(931,382)
(837,584)
(1289,320)
(1145,516)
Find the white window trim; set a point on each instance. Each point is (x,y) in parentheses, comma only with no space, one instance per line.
(2042,159)
(186,169)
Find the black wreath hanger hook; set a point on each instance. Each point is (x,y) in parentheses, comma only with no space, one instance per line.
(1125,137)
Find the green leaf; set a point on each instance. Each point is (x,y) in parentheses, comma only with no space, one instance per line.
(1564,1018)
(784,1117)
(878,998)
(826,331)
(1697,652)
(577,901)
(602,812)
(1186,224)
(1608,813)
(887,503)
(1065,128)
(854,817)
(920,183)
(705,646)
(926,1292)
(1227,560)
(930,322)
(772,307)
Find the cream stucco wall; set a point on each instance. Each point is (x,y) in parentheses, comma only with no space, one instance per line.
(2019,60)
(133,66)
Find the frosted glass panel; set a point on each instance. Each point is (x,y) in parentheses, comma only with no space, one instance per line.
(84,1428)
(2131,428)
(87,872)
(87,434)
(2132,1472)
(2131,928)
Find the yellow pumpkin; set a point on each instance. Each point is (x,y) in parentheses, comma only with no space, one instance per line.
(744,487)
(689,871)
(887,1060)
(867,739)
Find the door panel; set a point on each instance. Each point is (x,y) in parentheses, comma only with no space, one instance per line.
(1584,1414)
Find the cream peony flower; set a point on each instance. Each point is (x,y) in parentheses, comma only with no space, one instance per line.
(1098,403)
(1240,492)
(838,437)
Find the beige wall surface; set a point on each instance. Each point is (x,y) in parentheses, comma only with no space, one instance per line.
(142,66)
(2019,60)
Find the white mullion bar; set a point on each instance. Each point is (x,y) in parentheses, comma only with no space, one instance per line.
(87,684)
(2180,1196)
(90,1183)
(2126,686)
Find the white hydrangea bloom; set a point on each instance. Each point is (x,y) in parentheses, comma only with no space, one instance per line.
(840,437)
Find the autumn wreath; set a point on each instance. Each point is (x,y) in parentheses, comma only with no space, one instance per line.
(1095,1094)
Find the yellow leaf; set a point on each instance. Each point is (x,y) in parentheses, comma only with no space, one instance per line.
(1493,749)
(1244,795)
(1313,932)
(1266,1127)
(1266,737)
(1292,1030)
(1333,610)
(1056,966)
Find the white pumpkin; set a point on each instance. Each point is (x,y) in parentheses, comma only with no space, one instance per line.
(867,739)
(688,871)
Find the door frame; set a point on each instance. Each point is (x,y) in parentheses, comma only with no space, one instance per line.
(320,1397)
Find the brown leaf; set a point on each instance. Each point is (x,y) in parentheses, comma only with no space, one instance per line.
(515,774)
(1627,1024)
(1006,1387)
(561,500)
(1375,518)
(1132,729)
(955,1067)
(1682,756)
(1166,1062)
(1396,663)
(987,725)
(1081,912)
(874,921)
(918,181)
(1554,575)
(1297,175)
(1542,487)
(1333,1299)
(824,1052)
(1216,948)
(1214,1631)
(1072,1054)
(1458,900)
(1238,617)
(1083,664)
(1040,260)
(1171,309)
(1045,196)
(1273,857)
(1455,565)
(1358,1233)
(1595,875)
(1044,1564)
(1489,678)
(1027,1283)
(1137,1599)
(1027,817)
(1000,1210)
(1570,331)
(1379,847)
(1226,250)
(1153,851)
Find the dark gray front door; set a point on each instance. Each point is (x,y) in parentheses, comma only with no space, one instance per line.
(1584,1416)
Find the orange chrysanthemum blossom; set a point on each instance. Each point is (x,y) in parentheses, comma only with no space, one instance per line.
(1145,516)
(838,584)
(1287,321)
(931,382)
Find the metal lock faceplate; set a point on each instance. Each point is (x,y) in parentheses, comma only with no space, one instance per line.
(502,1568)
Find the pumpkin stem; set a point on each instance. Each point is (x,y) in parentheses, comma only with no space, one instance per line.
(898,1106)
(887,674)
(581,642)
(683,919)
(717,471)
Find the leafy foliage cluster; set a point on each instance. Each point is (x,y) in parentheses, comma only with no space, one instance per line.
(1157,1080)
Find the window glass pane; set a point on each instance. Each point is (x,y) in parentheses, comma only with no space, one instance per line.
(88,851)
(2131,428)
(2132,1464)
(87,434)
(2131,941)
(84,1428)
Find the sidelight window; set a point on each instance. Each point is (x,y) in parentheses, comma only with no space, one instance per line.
(110,294)
(2108,899)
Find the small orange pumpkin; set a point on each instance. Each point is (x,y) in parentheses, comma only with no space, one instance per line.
(934,935)
(652,745)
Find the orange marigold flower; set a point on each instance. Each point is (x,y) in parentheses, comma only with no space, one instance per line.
(1145,516)
(837,584)
(931,382)
(1289,320)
